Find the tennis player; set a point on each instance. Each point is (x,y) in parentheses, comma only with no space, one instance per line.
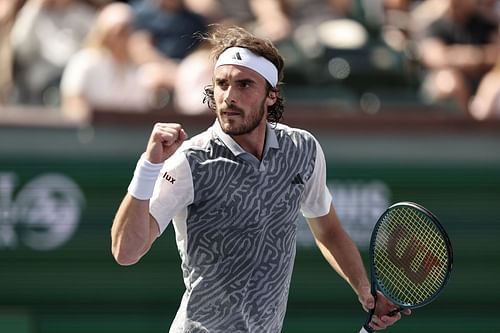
(233,194)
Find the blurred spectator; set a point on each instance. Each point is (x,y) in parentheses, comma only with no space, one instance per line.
(45,35)
(273,19)
(314,26)
(168,26)
(302,29)
(8,12)
(102,76)
(457,50)
(227,12)
(277,20)
(164,33)
(299,28)
(193,75)
(486,102)
(396,25)
(425,12)
(490,9)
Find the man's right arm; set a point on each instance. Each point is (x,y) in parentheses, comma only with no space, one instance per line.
(133,232)
(134,229)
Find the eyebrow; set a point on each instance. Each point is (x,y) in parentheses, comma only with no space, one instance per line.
(240,81)
(246,81)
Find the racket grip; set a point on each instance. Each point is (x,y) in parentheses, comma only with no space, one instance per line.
(363,330)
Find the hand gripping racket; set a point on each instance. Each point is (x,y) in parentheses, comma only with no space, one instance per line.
(410,257)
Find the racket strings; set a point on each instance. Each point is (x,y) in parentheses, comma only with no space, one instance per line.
(403,255)
(412,260)
(410,256)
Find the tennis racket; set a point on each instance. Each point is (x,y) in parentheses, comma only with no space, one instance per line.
(410,257)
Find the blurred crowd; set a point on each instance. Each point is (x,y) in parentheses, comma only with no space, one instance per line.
(141,55)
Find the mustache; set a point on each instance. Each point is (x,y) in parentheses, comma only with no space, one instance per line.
(231,108)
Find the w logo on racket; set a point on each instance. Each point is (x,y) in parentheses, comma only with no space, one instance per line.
(410,255)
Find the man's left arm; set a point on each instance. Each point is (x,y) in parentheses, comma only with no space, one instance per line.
(336,245)
(343,255)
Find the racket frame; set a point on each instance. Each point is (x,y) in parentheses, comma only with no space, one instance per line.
(373,280)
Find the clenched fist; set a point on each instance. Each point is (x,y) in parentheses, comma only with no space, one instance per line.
(165,139)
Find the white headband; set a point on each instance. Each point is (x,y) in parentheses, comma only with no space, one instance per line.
(246,58)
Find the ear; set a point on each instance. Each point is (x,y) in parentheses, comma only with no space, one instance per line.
(271,98)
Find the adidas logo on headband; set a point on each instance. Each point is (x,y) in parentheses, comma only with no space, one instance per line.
(246,58)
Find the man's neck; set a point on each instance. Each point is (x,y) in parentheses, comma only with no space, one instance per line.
(253,142)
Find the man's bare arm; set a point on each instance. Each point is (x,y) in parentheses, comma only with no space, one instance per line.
(133,232)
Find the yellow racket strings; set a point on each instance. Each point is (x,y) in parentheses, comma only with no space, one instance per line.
(410,256)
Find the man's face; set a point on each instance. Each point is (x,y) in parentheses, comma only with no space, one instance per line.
(241,99)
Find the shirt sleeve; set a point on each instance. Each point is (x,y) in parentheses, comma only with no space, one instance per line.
(173,190)
(317,199)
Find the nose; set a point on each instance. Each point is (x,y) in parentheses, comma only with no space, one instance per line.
(230,96)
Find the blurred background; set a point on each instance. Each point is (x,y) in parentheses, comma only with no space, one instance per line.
(404,96)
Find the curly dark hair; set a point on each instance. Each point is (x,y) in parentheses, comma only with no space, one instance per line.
(222,38)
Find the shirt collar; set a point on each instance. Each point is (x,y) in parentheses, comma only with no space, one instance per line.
(235,148)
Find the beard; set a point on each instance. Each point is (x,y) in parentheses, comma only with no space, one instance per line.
(248,123)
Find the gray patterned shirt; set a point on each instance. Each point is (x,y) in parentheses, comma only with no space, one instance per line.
(235,222)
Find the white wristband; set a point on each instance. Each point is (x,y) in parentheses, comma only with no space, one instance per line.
(143,183)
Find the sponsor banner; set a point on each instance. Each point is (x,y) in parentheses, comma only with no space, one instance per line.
(42,215)
(45,212)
